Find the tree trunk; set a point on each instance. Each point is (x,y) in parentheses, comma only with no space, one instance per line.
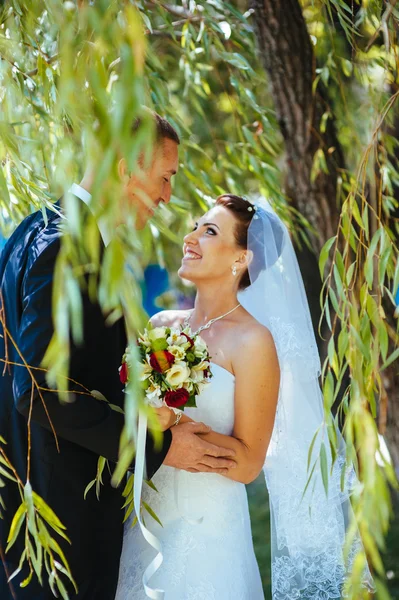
(287,54)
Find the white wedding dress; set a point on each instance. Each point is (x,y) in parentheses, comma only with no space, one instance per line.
(206,535)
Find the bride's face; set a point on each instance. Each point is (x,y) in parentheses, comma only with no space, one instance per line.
(210,250)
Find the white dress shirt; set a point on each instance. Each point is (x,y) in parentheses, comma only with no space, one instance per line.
(85,196)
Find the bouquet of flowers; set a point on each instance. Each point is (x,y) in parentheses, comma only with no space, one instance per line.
(174,367)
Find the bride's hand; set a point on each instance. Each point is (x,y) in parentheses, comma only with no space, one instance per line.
(166,417)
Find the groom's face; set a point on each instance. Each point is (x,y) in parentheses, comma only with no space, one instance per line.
(152,185)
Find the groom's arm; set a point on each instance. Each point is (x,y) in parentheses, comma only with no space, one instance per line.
(85,421)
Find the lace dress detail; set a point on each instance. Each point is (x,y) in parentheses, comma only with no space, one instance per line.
(296,347)
(206,539)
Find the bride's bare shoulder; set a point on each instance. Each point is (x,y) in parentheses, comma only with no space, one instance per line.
(169,318)
(254,332)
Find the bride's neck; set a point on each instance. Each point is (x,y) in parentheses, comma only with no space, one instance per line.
(211,302)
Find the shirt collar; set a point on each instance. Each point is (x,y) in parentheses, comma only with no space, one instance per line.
(85,196)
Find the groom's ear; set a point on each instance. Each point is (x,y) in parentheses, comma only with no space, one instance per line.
(122,170)
(123,173)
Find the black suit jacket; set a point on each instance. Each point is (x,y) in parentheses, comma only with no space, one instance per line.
(86,428)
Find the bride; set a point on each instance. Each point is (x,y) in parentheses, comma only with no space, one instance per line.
(264,402)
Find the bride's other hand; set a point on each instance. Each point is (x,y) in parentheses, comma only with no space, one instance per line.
(191,453)
(166,417)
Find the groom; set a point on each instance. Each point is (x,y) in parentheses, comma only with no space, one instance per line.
(86,428)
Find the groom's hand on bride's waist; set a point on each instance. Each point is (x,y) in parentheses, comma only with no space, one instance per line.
(191,453)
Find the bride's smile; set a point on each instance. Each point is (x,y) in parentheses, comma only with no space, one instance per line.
(211,250)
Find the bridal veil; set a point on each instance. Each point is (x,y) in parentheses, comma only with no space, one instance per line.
(310,519)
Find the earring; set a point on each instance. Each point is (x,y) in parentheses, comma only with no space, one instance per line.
(234,270)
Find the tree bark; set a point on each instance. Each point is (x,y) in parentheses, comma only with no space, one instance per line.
(287,54)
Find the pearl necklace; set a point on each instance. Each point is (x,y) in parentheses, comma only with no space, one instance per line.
(210,322)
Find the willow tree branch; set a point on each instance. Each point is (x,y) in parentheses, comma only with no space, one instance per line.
(49,61)
(383,26)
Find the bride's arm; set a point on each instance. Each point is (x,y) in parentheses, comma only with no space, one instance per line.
(257,380)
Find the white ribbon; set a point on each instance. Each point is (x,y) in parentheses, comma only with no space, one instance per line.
(154,565)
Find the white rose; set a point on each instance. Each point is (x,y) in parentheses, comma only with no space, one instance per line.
(156,334)
(177,374)
(202,386)
(189,386)
(145,371)
(203,365)
(177,351)
(197,376)
(200,347)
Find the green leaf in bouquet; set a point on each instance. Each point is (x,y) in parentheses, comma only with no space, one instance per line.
(159,344)
(190,356)
(142,353)
(191,403)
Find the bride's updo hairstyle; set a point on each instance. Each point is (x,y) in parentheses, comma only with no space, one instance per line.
(244,212)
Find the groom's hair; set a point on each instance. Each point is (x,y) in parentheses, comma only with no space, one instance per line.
(163,129)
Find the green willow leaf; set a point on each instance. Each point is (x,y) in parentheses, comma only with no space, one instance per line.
(152,513)
(309,480)
(46,512)
(34,560)
(31,517)
(20,566)
(26,581)
(394,356)
(310,451)
(88,488)
(324,468)
(324,254)
(16,525)
(128,512)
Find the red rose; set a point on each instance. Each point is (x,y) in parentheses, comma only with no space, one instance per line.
(177,398)
(189,339)
(161,360)
(124,373)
